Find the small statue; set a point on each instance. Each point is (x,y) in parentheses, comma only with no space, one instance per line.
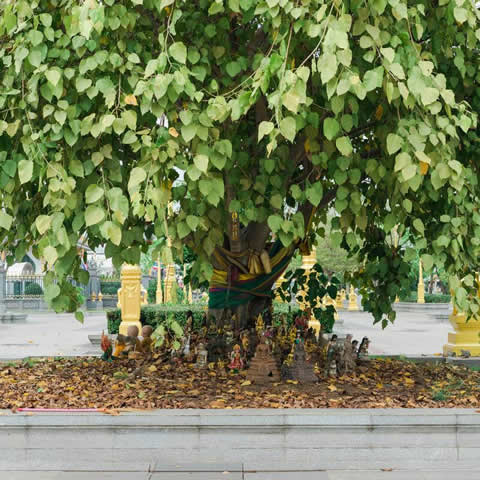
(331,362)
(300,369)
(259,326)
(354,347)
(465,353)
(221,368)
(362,353)
(146,344)
(120,345)
(236,361)
(186,345)
(348,355)
(133,345)
(107,349)
(202,355)
(263,368)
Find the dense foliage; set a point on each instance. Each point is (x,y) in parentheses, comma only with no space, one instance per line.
(110,111)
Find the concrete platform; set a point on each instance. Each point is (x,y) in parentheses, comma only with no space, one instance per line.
(242,441)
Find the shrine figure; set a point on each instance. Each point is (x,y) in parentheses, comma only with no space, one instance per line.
(120,345)
(189,323)
(300,369)
(236,361)
(331,360)
(286,367)
(354,347)
(362,353)
(146,344)
(107,348)
(259,325)
(202,355)
(263,368)
(133,345)
(348,355)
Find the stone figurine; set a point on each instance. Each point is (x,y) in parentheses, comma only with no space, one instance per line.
(146,344)
(362,353)
(263,368)
(202,355)
(348,356)
(331,357)
(300,369)
(236,361)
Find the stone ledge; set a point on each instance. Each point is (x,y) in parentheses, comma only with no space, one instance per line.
(260,440)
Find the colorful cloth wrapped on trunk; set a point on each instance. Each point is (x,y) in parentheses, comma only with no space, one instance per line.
(247,286)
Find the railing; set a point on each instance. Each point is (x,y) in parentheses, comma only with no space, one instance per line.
(24,286)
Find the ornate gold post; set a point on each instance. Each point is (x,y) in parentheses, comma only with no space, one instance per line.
(352,300)
(158,293)
(129,297)
(278,284)
(308,261)
(467,333)
(421,285)
(339,301)
(169,282)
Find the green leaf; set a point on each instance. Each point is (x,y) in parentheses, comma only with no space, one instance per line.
(43,223)
(314,193)
(192,222)
(429,95)
(25,170)
(186,117)
(418,225)
(288,128)
(389,222)
(50,254)
(79,316)
(330,128)
(178,51)
(53,76)
(5,220)
(137,176)
(344,146)
(51,291)
(275,222)
(201,162)
(265,128)
(93,193)
(460,15)
(82,84)
(189,132)
(93,215)
(233,68)
(394,143)
(327,66)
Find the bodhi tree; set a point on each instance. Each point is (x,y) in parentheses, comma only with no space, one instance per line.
(234,127)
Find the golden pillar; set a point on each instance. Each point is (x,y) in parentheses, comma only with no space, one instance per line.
(159,294)
(308,261)
(466,335)
(352,300)
(169,282)
(467,332)
(129,297)
(421,285)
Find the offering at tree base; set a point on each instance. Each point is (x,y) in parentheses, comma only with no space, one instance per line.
(107,349)
(202,355)
(362,353)
(263,368)
(236,361)
(286,367)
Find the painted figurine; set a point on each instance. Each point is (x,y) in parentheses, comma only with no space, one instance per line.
(331,362)
(236,361)
(107,349)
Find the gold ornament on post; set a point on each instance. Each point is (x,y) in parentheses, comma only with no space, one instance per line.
(129,297)
(159,294)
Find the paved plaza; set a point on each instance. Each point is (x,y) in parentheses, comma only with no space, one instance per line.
(50,334)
